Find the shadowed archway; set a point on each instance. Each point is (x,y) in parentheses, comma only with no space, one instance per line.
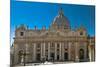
(81,54)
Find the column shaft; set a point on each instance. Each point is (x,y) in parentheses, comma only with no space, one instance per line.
(41,45)
(48,51)
(44,50)
(69,51)
(76,52)
(55,51)
(60,51)
(34,52)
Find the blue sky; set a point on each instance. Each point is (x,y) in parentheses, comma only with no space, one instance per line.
(42,14)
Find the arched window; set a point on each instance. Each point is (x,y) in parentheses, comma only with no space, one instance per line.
(65,56)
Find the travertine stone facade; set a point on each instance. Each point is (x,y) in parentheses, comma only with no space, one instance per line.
(58,43)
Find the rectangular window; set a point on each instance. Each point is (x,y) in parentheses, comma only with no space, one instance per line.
(52,44)
(57,45)
(38,45)
(21,33)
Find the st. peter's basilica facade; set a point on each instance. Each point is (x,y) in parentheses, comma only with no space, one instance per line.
(58,43)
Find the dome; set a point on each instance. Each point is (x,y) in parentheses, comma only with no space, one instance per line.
(61,21)
(22,27)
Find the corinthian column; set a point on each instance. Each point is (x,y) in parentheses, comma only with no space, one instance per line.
(34,51)
(44,49)
(60,51)
(55,51)
(41,45)
(76,52)
(49,51)
(69,51)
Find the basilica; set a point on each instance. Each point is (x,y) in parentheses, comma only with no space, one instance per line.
(58,43)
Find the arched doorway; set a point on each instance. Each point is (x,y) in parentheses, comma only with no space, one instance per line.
(57,57)
(65,56)
(81,54)
(52,56)
(38,57)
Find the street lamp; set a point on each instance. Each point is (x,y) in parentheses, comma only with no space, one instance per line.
(24,57)
(25,54)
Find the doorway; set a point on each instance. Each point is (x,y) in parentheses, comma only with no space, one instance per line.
(81,54)
(52,56)
(38,57)
(65,56)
